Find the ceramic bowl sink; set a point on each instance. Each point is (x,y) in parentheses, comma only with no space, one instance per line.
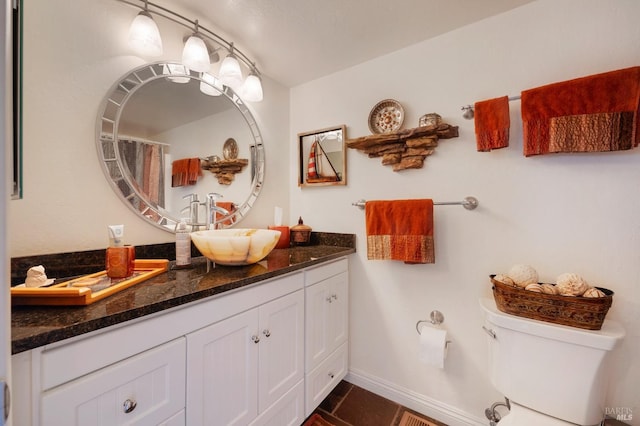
(235,246)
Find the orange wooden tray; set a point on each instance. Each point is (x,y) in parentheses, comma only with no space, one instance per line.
(63,294)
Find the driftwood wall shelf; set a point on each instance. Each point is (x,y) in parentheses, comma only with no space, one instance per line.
(225,170)
(404,149)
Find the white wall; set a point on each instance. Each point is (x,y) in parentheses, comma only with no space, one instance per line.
(560,213)
(74,52)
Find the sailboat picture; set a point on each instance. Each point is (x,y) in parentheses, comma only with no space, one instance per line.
(322,158)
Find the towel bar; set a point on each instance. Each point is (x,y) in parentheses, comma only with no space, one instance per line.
(468,203)
(468,109)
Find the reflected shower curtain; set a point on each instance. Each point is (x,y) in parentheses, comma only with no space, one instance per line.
(146,165)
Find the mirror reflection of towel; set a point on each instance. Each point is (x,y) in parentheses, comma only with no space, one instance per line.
(185,172)
(400,230)
(228,206)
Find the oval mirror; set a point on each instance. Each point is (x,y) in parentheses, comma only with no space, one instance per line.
(167,138)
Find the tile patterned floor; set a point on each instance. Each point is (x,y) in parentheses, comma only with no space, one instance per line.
(350,405)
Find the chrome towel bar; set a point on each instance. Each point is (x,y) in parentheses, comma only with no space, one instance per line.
(468,203)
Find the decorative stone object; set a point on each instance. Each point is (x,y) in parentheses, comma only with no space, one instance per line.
(225,170)
(404,149)
(570,284)
(523,275)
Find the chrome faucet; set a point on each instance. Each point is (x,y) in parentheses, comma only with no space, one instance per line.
(212,209)
(194,205)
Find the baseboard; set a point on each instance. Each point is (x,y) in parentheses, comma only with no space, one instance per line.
(420,403)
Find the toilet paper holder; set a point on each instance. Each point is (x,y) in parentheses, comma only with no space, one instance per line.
(435,318)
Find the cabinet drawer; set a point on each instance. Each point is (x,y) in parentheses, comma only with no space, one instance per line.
(147,389)
(287,411)
(323,272)
(321,381)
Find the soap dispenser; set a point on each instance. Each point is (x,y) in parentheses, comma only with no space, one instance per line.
(183,244)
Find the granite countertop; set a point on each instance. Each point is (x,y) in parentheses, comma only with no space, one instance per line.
(34,326)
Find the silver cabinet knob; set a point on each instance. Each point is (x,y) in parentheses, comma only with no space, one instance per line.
(129,405)
(267,333)
(334,297)
(331,375)
(255,338)
(329,299)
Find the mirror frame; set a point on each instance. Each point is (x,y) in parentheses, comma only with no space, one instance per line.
(120,178)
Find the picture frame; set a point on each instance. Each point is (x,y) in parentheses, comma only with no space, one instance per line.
(322,157)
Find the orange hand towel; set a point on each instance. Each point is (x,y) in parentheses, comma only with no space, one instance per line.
(492,123)
(589,114)
(400,230)
(179,171)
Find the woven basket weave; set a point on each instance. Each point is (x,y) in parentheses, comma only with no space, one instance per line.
(580,312)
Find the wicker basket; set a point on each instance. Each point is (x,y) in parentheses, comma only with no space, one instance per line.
(580,312)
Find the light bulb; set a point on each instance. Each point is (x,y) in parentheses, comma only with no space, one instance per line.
(252,89)
(195,54)
(209,85)
(144,36)
(230,72)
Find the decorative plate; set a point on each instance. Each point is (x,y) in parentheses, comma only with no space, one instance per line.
(386,117)
(230,149)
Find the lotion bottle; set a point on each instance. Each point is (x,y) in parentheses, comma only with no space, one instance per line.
(119,258)
(183,244)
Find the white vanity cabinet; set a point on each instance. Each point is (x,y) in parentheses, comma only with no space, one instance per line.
(326,330)
(240,367)
(262,355)
(144,389)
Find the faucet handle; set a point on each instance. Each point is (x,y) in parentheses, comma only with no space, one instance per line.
(214,196)
(193,198)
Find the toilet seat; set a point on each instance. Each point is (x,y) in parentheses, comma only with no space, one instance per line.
(523,416)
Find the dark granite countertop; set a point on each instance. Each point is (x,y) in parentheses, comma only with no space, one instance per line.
(34,326)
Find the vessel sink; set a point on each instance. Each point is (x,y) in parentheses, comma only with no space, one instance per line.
(235,246)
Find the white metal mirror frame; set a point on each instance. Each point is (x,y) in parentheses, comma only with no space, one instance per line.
(121,180)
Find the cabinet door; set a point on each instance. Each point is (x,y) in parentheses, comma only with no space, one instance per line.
(326,318)
(143,390)
(222,372)
(281,347)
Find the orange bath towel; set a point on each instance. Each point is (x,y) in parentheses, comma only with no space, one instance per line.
(588,114)
(400,230)
(492,123)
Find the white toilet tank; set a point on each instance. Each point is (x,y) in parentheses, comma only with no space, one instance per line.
(557,370)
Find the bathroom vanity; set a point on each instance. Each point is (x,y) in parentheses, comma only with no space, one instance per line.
(257,345)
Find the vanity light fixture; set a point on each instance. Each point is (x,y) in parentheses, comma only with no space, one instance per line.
(195,54)
(144,36)
(196,50)
(252,88)
(230,73)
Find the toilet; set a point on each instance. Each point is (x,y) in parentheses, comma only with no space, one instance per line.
(551,374)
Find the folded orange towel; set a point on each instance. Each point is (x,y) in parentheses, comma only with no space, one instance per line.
(400,230)
(492,123)
(588,114)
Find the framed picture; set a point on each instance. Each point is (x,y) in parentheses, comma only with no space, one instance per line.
(323,157)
